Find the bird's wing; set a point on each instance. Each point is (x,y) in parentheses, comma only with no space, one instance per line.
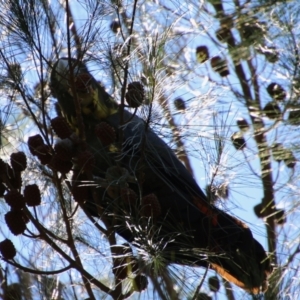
(231,249)
(165,175)
(140,141)
(209,227)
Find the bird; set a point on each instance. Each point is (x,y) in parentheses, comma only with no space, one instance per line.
(177,219)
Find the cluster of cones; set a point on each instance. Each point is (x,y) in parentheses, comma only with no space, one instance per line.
(10,189)
(65,154)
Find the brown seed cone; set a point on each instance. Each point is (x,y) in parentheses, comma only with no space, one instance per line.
(135,95)
(243,124)
(136,85)
(214,283)
(223,34)
(7,249)
(32,195)
(272,110)
(278,152)
(179,104)
(115,26)
(43,152)
(64,149)
(276,91)
(258,210)
(79,190)
(105,133)
(34,142)
(59,165)
(294,117)
(150,206)
(15,200)
(18,161)
(202,54)
(140,282)
(128,195)
(271,53)
(219,65)
(86,161)
(133,99)
(281,153)
(15,221)
(61,127)
(238,141)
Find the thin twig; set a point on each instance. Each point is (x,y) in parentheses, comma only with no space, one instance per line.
(200,284)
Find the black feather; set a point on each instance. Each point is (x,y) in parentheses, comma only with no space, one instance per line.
(189,229)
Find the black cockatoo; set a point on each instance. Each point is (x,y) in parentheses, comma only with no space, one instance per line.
(181,222)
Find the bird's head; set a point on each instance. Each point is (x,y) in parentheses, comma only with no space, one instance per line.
(71,83)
